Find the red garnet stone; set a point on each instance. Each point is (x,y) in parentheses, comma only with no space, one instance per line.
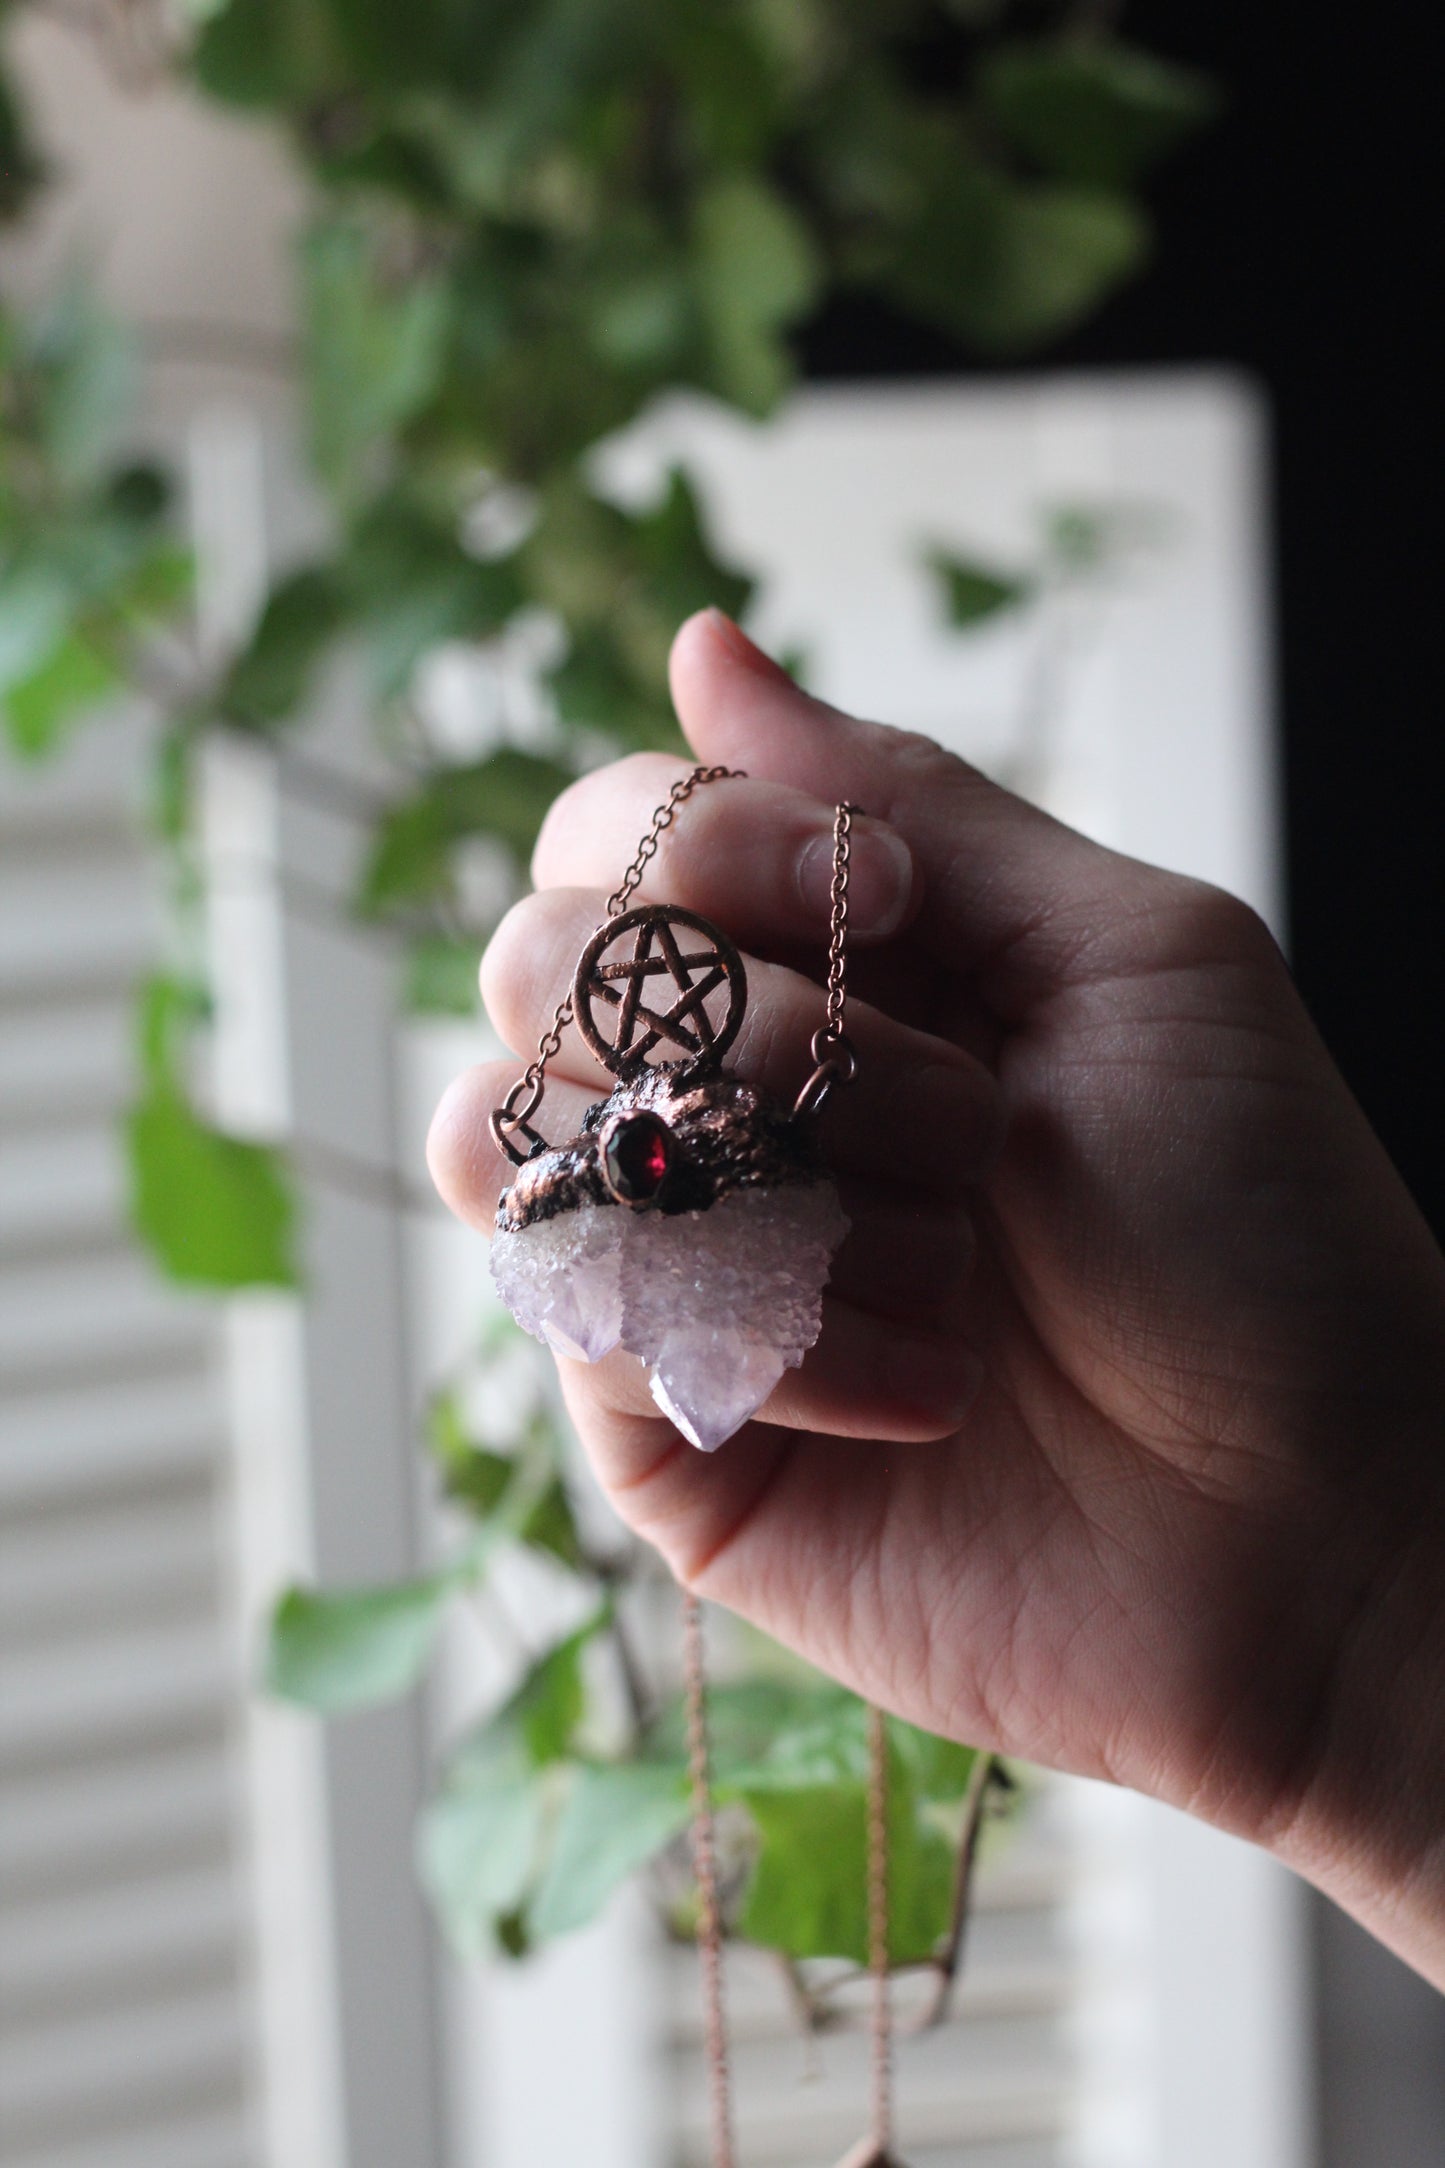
(636,1155)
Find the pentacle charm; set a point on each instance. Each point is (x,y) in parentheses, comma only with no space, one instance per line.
(674,963)
(691,1220)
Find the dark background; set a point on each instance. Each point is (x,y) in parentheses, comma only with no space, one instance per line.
(1297,240)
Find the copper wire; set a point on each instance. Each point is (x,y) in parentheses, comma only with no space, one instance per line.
(882,2030)
(704,1860)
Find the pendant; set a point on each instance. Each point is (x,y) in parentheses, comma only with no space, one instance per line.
(691,1220)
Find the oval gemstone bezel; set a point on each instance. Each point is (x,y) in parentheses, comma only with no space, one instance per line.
(632,1178)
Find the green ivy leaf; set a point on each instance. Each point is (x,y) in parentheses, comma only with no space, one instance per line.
(471,1474)
(167,1007)
(483,1840)
(266,52)
(35,610)
(335,1650)
(551,1526)
(441,976)
(271,676)
(155,587)
(940,1768)
(973,591)
(215,1211)
(1004,264)
(595,689)
(376,347)
(808,1798)
(480,1842)
(1065,251)
(1099,113)
(547,1707)
(745,1718)
(484,1481)
(504,796)
(677,560)
(22,169)
(617,1816)
(808,1892)
(411,585)
(758,273)
(85,373)
(40,709)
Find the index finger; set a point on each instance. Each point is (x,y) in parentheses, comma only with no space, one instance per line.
(754,854)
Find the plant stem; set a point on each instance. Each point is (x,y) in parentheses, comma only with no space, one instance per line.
(947,1966)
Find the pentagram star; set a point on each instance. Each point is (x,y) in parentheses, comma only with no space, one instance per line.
(669,1023)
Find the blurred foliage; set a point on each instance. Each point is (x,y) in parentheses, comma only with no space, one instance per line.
(528,220)
(578,1777)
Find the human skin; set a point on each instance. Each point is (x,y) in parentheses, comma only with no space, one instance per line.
(1123,1445)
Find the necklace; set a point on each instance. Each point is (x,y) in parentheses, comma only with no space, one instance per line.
(693,1221)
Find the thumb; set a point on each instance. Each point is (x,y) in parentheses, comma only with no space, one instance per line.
(1009,891)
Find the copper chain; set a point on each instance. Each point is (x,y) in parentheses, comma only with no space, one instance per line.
(834,1061)
(878,1929)
(704,1867)
(522,1101)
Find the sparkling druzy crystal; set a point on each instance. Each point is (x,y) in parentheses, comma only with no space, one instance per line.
(717,1302)
(561,1278)
(691,1221)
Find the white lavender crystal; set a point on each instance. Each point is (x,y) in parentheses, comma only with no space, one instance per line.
(561,1278)
(718,1303)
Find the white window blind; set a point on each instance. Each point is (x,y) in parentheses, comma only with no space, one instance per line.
(122,1925)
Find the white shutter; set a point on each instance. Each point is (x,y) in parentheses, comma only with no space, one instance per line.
(990,2087)
(122,1940)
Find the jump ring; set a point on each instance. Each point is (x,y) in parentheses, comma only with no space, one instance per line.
(834,1051)
(505,1120)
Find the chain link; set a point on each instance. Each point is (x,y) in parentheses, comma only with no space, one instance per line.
(514,1115)
(834,1059)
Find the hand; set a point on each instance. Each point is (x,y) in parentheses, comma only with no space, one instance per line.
(1121,1446)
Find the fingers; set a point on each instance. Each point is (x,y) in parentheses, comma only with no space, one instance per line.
(867,1377)
(920,1112)
(755,856)
(906,1257)
(892,1361)
(1007,890)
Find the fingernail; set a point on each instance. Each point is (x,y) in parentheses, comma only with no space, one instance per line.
(880,879)
(741,648)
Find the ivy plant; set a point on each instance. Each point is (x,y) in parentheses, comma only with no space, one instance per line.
(527,220)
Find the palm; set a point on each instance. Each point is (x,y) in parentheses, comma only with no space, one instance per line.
(1079,1488)
(1195,1297)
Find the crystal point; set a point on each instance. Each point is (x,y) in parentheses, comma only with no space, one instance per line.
(718,1303)
(711,1383)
